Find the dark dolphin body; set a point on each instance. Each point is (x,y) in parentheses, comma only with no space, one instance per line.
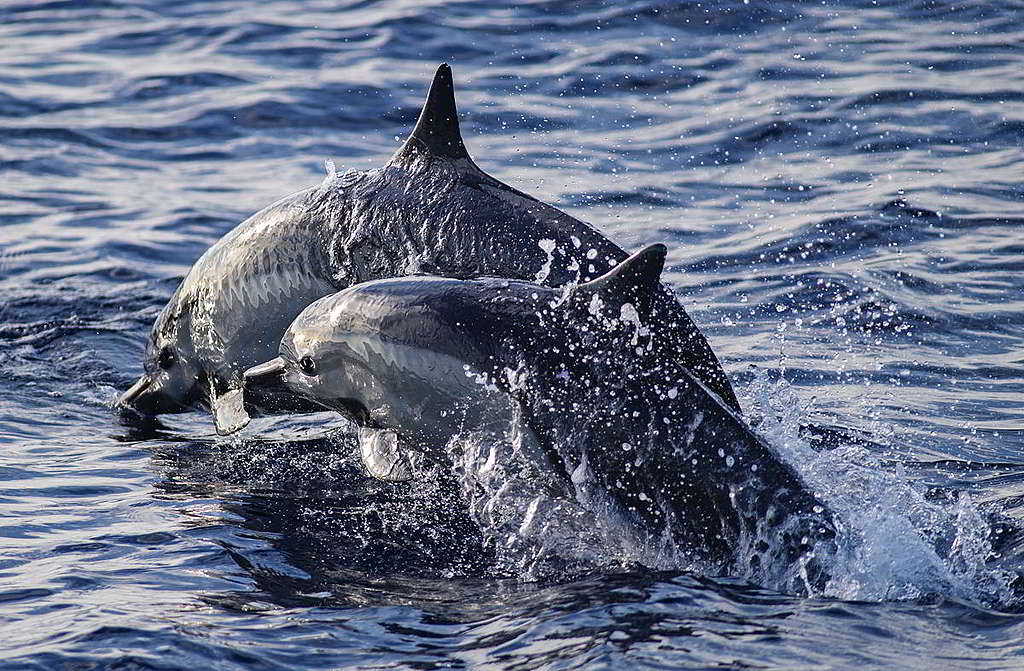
(429,210)
(419,361)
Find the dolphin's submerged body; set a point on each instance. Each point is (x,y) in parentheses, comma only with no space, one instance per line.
(429,210)
(577,378)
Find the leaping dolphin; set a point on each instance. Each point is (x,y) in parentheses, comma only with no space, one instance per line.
(430,209)
(419,361)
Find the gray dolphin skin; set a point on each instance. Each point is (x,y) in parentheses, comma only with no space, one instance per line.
(418,361)
(430,209)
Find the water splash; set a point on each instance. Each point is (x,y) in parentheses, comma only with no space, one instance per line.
(548,247)
(897,542)
(543,528)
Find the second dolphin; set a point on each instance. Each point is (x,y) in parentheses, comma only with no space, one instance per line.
(418,361)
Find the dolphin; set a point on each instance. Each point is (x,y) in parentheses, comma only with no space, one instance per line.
(430,209)
(418,361)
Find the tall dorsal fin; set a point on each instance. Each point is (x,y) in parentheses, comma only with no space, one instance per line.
(437,130)
(635,280)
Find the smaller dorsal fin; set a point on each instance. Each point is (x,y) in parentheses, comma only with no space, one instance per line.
(437,130)
(635,280)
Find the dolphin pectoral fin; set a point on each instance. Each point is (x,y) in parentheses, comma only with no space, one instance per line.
(384,457)
(229,412)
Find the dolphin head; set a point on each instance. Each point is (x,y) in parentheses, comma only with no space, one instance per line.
(386,353)
(228,313)
(172,378)
(311,365)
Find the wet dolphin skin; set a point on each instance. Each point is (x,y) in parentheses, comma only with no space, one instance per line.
(418,361)
(430,209)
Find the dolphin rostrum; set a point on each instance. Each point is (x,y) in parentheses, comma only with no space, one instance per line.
(418,361)
(430,209)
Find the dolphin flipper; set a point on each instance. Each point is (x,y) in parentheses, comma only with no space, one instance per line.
(229,412)
(384,457)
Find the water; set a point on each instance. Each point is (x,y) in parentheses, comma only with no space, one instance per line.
(840,188)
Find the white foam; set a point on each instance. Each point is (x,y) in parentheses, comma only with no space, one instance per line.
(894,542)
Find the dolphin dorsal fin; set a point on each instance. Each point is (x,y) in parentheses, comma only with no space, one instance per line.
(437,130)
(635,280)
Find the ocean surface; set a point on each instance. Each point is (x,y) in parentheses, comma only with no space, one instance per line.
(841,186)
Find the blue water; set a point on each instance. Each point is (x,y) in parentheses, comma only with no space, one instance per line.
(842,189)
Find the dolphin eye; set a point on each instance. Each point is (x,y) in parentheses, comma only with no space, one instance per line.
(166,358)
(307,365)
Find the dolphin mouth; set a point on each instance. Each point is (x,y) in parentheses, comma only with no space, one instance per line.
(269,377)
(146,398)
(355,411)
(129,398)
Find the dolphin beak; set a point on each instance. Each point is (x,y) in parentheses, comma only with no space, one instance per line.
(269,374)
(129,399)
(149,397)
